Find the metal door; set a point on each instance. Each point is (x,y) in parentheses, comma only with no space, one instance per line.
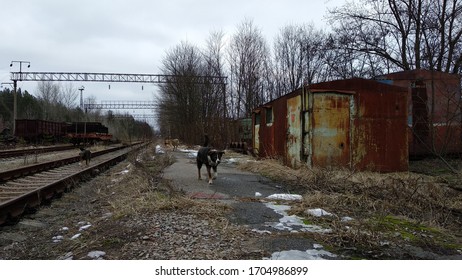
(331,130)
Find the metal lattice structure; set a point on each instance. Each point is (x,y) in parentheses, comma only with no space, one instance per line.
(108,78)
(135,116)
(113,78)
(106,105)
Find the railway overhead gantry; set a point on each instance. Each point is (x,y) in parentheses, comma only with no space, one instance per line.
(106,77)
(111,77)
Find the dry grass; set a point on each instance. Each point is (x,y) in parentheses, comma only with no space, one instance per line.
(146,191)
(372,199)
(416,196)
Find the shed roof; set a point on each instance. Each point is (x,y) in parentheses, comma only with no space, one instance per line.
(418,74)
(356,84)
(347,86)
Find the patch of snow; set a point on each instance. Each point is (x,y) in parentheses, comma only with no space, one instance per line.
(285,196)
(317,246)
(261,231)
(57,238)
(75,236)
(232,160)
(190,153)
(347,219)
(84,227)
(159,150)
(318,212)
(257,194)
(311,254)
(292,223)
(124,171)
(64,229)
(96,254)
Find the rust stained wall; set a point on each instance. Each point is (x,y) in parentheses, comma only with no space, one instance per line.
(379,131)
(293,143)
(434,110)
(356,123)
(272,136)
(331,118)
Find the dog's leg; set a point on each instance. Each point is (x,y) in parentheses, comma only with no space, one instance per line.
(209,173)
(199,166)
(215,172)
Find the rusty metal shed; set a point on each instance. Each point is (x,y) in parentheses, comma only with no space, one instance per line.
(355,123)
(434,107)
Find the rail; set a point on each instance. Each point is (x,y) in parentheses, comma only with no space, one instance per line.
(31,191)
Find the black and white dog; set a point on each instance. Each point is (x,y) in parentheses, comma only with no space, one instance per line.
(210,158)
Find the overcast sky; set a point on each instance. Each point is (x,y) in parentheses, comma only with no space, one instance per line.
(129,36)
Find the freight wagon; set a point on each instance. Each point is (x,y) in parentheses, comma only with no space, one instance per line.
(40,131)
(87,132)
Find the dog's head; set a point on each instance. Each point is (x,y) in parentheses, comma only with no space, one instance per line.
(214,157)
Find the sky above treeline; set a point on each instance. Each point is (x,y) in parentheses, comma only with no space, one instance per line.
(121,36)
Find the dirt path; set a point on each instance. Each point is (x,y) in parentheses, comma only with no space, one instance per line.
(243,191)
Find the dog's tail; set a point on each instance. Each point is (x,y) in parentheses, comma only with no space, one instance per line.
(206,143)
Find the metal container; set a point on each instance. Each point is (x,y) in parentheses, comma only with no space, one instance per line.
(359,124)
(434,102)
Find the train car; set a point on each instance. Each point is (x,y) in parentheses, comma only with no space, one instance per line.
(87,132)
(40,131)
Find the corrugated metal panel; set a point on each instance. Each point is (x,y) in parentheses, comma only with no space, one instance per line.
(331,130)
(354,123)
(294,132)
(379,124)
(434,115)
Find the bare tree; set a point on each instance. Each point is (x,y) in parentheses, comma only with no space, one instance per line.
(298,57)
(48,95)
(407,34)
(248,59)
(68,95)
(180,103)
(214,107)
(343,62)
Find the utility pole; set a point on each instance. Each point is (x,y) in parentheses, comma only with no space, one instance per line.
(81,96)
(15,87)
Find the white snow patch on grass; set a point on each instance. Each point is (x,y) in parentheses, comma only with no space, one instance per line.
(285,196)
(292,222)
(311,254)
(318,212)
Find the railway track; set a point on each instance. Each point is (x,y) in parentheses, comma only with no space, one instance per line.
(28,187)
(34,151)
